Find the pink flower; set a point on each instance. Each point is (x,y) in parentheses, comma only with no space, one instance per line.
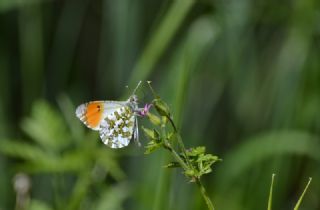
(144,111)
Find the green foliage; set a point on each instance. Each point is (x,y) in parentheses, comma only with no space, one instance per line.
(153,134)
(6,5)
(154,119)
(152,145)
(46,127)
(160,39)
(240,77)
(38,205)
(113,197)
(55,151)
(193,161)
(200,161)
(265,147)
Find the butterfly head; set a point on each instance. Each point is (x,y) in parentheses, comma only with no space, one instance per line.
(133,102)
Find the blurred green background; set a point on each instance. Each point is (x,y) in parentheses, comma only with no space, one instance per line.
(241,76)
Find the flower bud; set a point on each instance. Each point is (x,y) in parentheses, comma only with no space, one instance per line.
(154,119)
(161,107)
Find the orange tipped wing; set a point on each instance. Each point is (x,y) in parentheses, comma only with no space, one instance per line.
(91,114)
(94,112)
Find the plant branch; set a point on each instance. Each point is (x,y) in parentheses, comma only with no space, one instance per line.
(204,194)
(187,167)
(195,162)
(167,145)
(180,142)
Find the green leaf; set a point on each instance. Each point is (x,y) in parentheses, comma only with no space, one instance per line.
(38,205)
(56,164)
(20,149)
(80,190)
(6,5)
(201,162)
(207,158)
(263,147)
(164,120)
(67,108)
(152,134)
(46,127)
(170,135)
(154,119)
(152,146)
(190,173)
(39,160)
(172,165)
(148,132)
(113,197)
(160,39)
(107,160)
(205,162)
(196,151)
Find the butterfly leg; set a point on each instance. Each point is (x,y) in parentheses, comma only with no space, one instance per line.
(136,133)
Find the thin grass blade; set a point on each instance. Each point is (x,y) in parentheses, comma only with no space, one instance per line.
(302,195)
(270,193)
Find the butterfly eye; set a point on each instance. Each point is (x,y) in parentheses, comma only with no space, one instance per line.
(133,98)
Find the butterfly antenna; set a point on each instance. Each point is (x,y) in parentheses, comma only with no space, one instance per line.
(138,85)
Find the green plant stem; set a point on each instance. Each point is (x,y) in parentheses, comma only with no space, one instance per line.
(180,142)
(204,194)
(187,166)
(176,156)
(270,193)
(181,145)
(301,197)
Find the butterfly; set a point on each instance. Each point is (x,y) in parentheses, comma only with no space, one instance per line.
(116,121)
